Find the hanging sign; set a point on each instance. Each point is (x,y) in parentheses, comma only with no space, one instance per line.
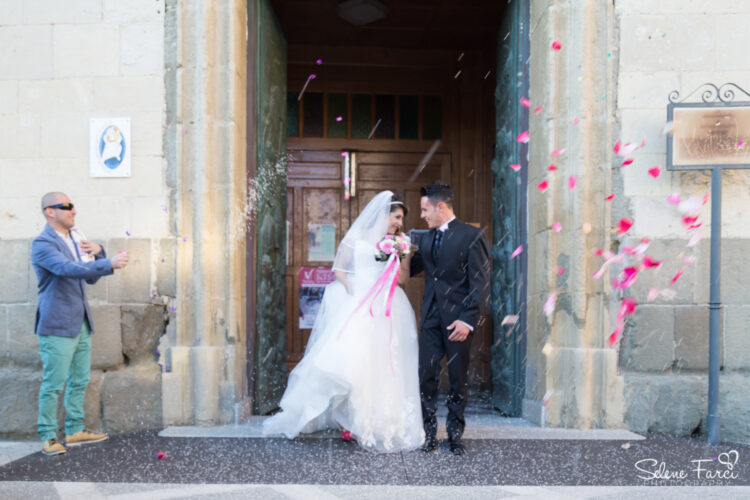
(109,147)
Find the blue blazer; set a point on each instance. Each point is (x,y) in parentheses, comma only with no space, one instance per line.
(62,295)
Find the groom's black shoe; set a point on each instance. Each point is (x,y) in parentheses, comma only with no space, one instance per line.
(457,448)
(430,443)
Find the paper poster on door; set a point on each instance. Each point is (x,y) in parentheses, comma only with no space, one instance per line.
(322,244)
(312,281)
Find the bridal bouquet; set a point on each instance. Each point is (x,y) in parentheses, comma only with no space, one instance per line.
(393,244)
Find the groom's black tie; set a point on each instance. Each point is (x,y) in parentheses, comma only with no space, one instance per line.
(436,243)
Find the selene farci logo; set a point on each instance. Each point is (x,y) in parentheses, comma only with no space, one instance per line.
(721,467)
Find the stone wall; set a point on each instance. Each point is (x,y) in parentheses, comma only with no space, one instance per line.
(665,46)
(63,63)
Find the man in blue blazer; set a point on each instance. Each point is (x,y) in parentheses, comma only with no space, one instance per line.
(63,260)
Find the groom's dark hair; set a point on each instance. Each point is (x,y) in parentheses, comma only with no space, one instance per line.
(438,191)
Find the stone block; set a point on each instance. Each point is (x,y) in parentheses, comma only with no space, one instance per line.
(132,283)
(648,44)
(648,341)
(14,259)
(142,326)
(737,337)
(27,54)
(148,136)
(735,287)
(68,12)
(131,399)
(12,12)
(92,404)
(133,11)
(8,97)
(129,94)
(56,96)
(645,90)
(166,274)
(734,408)
(142,48)
(64,135)
(86,50)
(669,404)
(691,337)
(106,343)
(19,401)
(4,354)
(97,293)
(20,137)
(23,344)
(726,38)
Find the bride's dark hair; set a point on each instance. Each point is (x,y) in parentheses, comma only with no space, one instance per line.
(398,202)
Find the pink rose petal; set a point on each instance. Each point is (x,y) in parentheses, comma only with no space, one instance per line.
(575,121)
(523,136)
(542,187)
(649,262)
(319,61)
(653,293)
(695,239)
(557,227)
(627,307)
(537,110)
(560,271)
(628,148)
(572,180)
(549,305)
(516,252)
(677,276)
(616,334)
(740,144)
(515,166)
(510,319)
(609,198)
(643,142)
(525,102)
(691,205)
(339,118)
(552,167)
(624,225)
(674,198)
(616,148)
(654,172)
(557,152)
(556,45)
(626,162)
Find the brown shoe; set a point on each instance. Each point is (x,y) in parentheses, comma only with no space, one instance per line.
(53,447)
(85,437)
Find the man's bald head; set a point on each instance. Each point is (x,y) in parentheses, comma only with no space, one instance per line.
(52,198)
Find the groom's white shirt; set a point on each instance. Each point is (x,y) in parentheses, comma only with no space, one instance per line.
(443,229)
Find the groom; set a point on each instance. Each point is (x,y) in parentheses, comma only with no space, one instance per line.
(455,259)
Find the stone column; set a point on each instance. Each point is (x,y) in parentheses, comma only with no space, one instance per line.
(574,371)
(205,147)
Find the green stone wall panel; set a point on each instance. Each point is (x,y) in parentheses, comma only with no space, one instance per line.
(270,370)
(509,211)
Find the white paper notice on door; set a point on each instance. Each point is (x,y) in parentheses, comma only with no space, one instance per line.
(322,242)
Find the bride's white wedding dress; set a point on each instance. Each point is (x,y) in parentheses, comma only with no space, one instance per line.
(359,372)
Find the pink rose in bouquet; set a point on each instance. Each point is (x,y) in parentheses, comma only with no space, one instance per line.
(393,244)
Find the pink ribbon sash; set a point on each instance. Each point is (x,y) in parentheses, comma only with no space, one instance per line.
(372,294)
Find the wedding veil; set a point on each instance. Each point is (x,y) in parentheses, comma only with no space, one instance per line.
(371,226)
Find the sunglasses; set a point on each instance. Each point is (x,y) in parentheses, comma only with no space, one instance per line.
(61,206)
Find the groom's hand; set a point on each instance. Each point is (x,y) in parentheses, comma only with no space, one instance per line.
(460,331)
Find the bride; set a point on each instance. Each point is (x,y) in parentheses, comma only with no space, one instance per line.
(359,371)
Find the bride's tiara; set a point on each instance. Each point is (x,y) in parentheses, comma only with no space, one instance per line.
(397,203)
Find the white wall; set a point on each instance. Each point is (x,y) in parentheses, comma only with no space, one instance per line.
(62,63)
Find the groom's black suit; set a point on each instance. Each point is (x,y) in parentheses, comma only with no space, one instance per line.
(456,287)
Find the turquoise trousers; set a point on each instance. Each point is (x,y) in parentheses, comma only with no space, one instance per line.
(63,360)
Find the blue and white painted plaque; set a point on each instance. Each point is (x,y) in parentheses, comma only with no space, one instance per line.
(109,147)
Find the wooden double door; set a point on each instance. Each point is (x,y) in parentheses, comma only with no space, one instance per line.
(326,190)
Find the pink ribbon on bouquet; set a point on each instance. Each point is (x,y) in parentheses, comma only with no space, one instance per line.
(393,262)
